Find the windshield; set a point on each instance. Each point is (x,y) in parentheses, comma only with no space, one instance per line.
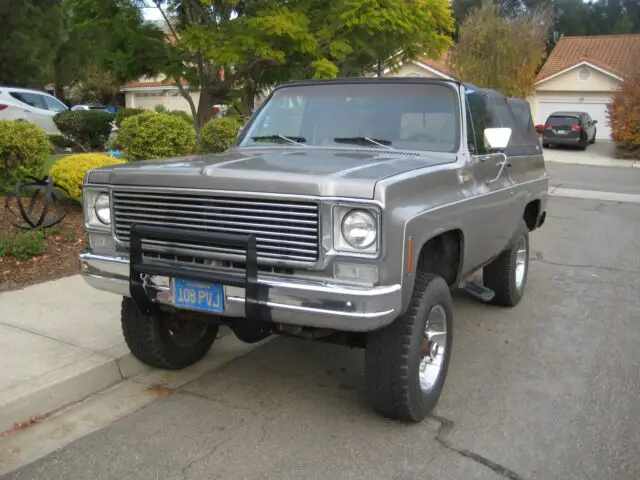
(387,116)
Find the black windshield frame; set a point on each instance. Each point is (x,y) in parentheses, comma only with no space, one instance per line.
(398,99)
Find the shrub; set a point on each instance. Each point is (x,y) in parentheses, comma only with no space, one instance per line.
(624,117)
(69,172)
(182,114)
(89,129)
(123,113)
(156,135)
(218,134)
(159,108)
(61,142)
(23,245)
(24,149)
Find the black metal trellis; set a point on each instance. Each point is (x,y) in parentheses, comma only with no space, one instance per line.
(54,197)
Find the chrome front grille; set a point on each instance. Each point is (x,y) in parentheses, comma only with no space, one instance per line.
(285,230)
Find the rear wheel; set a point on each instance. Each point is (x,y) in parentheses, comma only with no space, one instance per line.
(406,362)
(163,340)
(593,140)
(507,274)
(584,141)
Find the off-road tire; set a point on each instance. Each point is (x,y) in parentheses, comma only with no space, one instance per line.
(392,355)
(149,339)
(500,274)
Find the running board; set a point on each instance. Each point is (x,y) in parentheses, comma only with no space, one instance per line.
(478,290)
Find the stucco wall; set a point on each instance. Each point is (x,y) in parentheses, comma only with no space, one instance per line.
(148,99)
(411,70)
(572,82)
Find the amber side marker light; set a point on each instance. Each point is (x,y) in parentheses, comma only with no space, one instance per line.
(410,256)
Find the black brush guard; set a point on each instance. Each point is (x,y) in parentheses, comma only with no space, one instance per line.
(256,310)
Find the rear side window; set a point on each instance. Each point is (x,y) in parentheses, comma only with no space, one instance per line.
(494,111)
(562,121)
(31,99)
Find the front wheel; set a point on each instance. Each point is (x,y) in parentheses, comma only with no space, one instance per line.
(164,340)
(507,274)
(406,362)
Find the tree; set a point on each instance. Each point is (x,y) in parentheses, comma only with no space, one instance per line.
(30,31)
(498,52)
(104,44)
(225,45)
(624,117)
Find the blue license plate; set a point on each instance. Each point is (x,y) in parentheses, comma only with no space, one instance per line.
(205,297)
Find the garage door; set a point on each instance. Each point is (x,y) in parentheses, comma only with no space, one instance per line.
(596,107)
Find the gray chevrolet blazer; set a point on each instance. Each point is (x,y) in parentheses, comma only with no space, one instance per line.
(345,212)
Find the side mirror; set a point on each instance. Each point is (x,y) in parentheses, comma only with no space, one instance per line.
(497,138)
(595,121)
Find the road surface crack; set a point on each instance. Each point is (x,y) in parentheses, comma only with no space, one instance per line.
(446,426)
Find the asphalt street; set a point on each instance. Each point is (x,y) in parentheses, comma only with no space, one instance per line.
(547,390)
(585,177)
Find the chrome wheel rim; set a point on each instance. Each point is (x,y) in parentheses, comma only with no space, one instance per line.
(433,348)
(522,257)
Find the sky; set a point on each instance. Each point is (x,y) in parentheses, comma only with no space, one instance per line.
(151,12)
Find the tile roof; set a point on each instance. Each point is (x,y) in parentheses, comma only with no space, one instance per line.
(618,54)
(169,82)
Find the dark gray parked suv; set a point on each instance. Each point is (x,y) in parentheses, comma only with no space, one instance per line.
(569,128)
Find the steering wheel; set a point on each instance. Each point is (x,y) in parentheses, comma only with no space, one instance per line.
(422,136)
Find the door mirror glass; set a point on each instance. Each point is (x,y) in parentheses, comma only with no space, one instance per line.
(497,138)
(595,121)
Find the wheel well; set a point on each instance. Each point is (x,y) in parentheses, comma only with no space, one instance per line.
(442,255)
(531,214)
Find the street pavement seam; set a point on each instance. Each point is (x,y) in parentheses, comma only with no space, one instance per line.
(594,195)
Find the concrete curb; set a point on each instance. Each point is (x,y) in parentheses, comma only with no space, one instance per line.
(609,162)
(39,397)
(134,390)
(70,384)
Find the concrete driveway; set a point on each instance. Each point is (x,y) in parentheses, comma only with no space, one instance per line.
(548,390)
(601,153)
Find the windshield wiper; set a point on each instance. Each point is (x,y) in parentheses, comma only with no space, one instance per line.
(369,141)
(293,140)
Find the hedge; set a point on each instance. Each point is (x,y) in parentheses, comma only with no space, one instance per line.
(70,171)
(218,134)
(89,129)
(24,149)
(156,135)
(123,113)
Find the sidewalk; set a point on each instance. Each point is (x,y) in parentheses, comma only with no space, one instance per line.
(61,342)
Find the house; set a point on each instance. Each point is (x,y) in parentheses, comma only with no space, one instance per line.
(148,92)
(582,73)
(422,67)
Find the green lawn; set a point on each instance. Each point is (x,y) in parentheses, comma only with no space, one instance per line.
(51,160)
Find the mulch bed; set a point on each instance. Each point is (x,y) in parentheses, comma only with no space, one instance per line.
(62,244)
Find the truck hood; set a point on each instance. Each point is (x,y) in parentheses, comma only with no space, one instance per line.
(302,171)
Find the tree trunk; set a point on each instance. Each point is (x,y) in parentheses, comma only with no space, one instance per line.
(204,107)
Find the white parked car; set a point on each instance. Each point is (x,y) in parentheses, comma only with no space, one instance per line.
(31,105)
(86,106)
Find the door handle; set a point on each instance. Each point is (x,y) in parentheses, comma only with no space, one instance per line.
(503,164)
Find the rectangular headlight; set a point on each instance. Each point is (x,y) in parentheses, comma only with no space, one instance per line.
(92,219)
(356,229)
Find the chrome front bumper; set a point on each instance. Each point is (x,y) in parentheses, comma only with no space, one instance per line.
(290,301)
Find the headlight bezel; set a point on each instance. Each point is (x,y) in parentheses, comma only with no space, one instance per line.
(340,243)
(91,220)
